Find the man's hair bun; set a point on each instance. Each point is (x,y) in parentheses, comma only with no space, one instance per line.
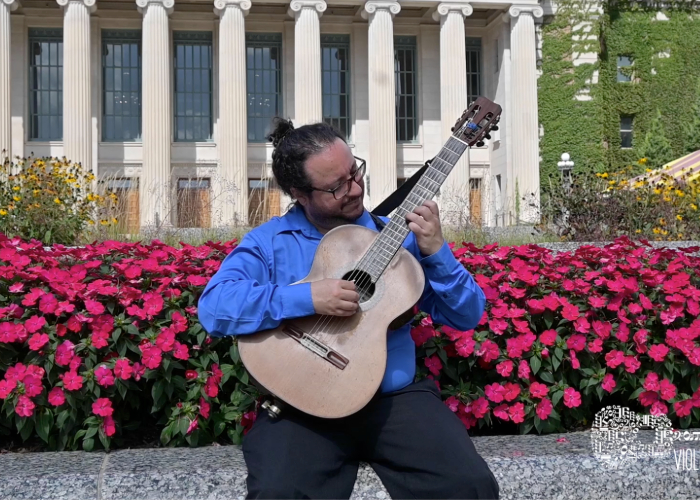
(281,128)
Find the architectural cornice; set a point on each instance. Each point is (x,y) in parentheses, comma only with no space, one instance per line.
(90,4)
(374,5)
(445,8)
(168,5)
(12,4)
(298,5)
(221,5)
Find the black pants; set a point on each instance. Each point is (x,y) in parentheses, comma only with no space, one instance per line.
(416,445)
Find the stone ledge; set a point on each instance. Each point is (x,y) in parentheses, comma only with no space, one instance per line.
(526,467)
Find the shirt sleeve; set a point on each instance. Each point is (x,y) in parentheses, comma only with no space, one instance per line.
(452,296)
(240,298)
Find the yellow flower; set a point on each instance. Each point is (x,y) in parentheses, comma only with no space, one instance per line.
(693,206)
(656,230)
(657,191)
(680,235)
(664,232)
(638,231)
(91,222)
(16,188)
(3,211)
(642,161)
(57,201)
(114,221)
(662,221)
(679,217)
(680,193)
(16,198)
(604,175)
(104,222)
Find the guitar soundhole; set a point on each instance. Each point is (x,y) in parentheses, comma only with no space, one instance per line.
(363,283)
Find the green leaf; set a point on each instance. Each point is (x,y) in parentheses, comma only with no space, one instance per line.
(525,427)
(104,440)
(183,425)
(599,391)
(556,397)
(636,394)
(27,430)
(547,377)
(535,364)
(235,356)
(548,317)
(61,420)
(91,432)
(44,423)
(694,382)
(538,424)
(88,444)
(121,387)
(116,333)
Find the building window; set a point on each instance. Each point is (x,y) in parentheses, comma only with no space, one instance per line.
(626,123)
(263,201)
(193,203)
(475,201)
(335,67)
(264,82)
(473,69)
(624,75)
(127,206)
(193,86)
(405,74)
(45,84)
(121,85)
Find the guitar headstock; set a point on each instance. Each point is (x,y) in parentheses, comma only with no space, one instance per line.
(476,122)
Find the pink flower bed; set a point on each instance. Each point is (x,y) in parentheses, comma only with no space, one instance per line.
(102,343)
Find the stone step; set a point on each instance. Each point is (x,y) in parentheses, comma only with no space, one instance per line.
(555,466)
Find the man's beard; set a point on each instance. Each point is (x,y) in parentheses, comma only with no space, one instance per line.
(338,219)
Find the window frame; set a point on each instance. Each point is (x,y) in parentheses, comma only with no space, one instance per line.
(193,185)
(255,40)
(474,49)
(406,43)
(125,36)
(626,131)
(621,77)
(200,39)
(51,36)
(332,41)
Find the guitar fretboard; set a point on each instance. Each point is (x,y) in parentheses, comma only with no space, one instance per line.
(394,234)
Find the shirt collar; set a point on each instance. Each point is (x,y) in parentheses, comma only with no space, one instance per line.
(295,220)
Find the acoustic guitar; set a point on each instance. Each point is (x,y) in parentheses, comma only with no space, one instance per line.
(332,366)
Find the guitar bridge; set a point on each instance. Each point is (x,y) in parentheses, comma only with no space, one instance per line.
(316,346)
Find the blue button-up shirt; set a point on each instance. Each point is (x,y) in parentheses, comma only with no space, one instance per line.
(251,291)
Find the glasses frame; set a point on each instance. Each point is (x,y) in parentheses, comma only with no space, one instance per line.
(362,167)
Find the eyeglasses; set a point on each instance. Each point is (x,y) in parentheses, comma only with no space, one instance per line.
(344,187)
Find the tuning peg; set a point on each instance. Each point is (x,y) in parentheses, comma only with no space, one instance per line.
(495,127)
(479,144)
(488,136)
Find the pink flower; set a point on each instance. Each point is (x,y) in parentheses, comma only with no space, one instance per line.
(193,426)
(32,386)
(572,398)
(104,376)
(211,388)
(108,426)
(658,408)
(433,364)
(576,342)
(512,391)
(204,407)
(102,407)
(35,323)
(452,403)
(523,369)
(608,383)
(6,388)
(575,364)
(683,408)
(64,353)
(614,358)
(505,368)
(658,352)
(152,357)
(480,407)
(501,411)
(544,408)
(139,370)
(632,364)
(93,307)
(56,396)
(25,406)
(596,346)
(37,341)
(495,392)
(72,381)
(517,413)
(122,369)
(647,398)
(667,390)
(538,390)
(548,337)
(181,351)
(651,382)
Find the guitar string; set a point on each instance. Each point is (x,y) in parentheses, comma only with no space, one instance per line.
(365,283)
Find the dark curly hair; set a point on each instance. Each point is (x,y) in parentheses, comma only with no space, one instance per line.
(293,146)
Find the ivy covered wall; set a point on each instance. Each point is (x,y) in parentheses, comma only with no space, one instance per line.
(665,78)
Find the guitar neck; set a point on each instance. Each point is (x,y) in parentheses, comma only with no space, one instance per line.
(394,234)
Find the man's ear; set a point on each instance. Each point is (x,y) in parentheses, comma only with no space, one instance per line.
(300,196)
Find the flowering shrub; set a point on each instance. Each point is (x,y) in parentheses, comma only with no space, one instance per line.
(604,206)
(100,345)
(49,199)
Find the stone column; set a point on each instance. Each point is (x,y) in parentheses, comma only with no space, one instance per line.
(454,194)
(6,6)
(77,112)
(154,187)
(382,101)
(524,121)
(231,202)
(307,60)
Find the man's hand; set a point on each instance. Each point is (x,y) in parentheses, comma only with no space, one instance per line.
(335,297)
(424,221)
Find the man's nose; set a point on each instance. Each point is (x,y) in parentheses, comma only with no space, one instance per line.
(356,188)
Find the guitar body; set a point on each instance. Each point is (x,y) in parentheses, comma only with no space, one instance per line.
(338,365)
